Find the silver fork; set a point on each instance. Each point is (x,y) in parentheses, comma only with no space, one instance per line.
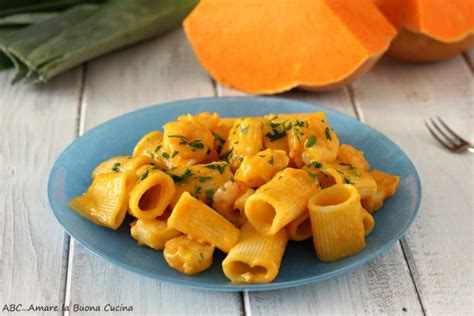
(447,137)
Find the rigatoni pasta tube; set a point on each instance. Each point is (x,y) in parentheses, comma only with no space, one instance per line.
(151,195)
(300,228)
(337,222)
(105,202)
(196,219)
(368,221)
(279,201)
(256,257)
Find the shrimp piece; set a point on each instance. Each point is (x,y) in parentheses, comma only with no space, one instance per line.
(187,143)
(224,200)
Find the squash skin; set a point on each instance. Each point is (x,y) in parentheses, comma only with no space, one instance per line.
(416,47)
(429,30)
(278,54)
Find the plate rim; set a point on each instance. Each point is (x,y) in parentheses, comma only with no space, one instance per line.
(231,287)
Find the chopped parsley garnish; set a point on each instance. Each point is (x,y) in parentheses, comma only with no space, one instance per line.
(225,156)
(158,148)
(223,188)
(178,136)
(244,129)
(232,179)
(313,176)
(174,154)
(278,130)
(271,161)
(355,171)
(210,196)
(165,155)
(197,191)
(182,178)
(218,138)
(144,175)
(218,167)
(345,164)
(311,141)
(220,141)
(315,164)
(275,135)
(301,123)
(328,133)
(201,255)
(348,180)
(204,179)
(195,144)
(152,155)
(116,167)
(351,168)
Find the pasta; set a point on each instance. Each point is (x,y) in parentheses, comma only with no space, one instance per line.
(280,201)
(150,197)
(243,186)
(105,202)
(256,257)
(188,217)
(300,228)
(337,222)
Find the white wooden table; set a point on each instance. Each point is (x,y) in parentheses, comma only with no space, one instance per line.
(430,271)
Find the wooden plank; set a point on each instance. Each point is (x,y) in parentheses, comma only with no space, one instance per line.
(469,55)
(396,99)
(160,70)
(382,286)
(36,123)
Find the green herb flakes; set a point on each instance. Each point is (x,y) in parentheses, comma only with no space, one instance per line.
(328,133)
(204,179)
(311,141)
(182,178)
(218,167)
(210,196)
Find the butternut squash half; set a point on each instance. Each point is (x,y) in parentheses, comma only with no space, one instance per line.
(270,46)
(429,30)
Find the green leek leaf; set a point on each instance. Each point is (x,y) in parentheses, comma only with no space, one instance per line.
(46,49)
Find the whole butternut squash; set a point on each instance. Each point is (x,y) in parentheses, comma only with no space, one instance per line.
(429,30)
(270,46)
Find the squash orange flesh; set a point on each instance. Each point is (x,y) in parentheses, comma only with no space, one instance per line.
(270,46)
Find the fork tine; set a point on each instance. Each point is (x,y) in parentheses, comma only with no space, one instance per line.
(442,133)
(451,131)
(436,137)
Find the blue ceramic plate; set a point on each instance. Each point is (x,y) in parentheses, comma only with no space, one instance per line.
(70,177)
